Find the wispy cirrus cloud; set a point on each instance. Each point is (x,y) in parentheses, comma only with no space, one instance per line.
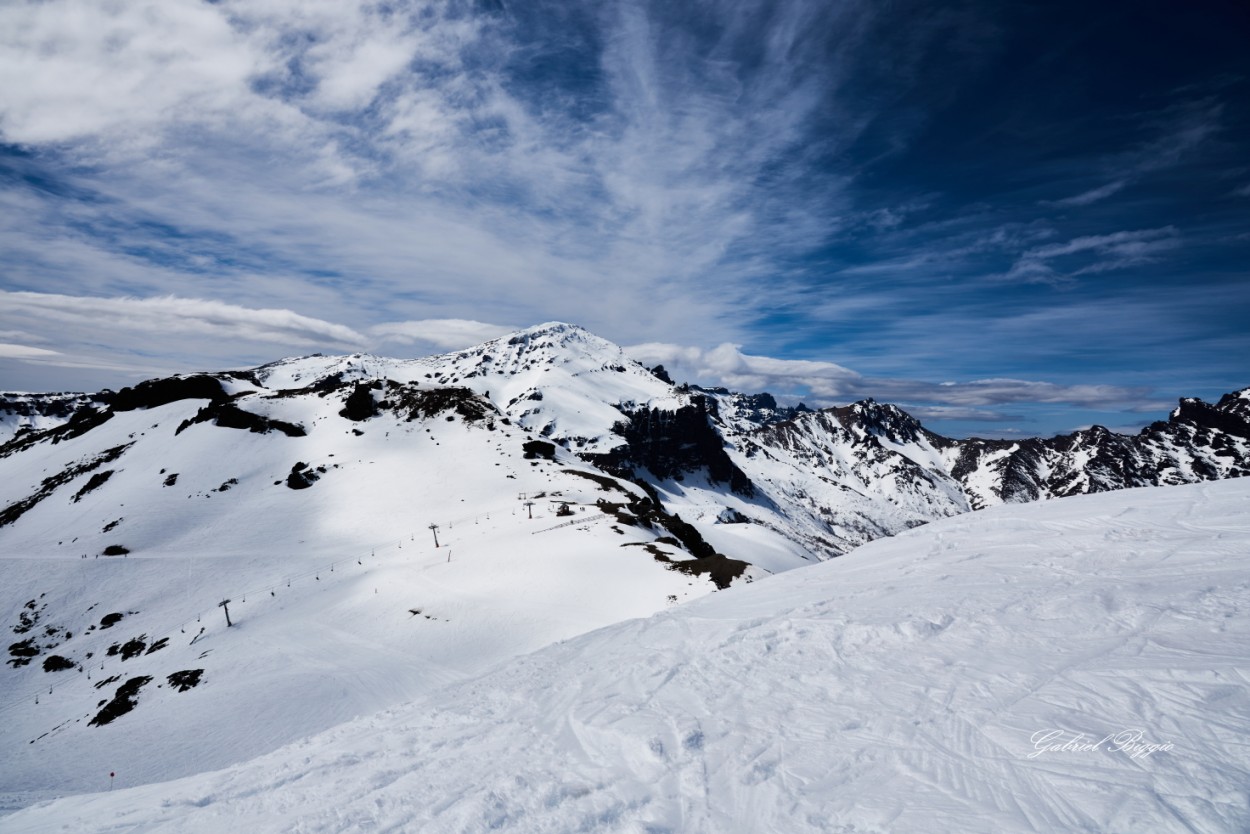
(414,165)
(1086,198)
(1179,132)
(1092,254)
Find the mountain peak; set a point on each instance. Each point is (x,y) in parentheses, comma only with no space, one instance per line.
(880,418)
(553,328)
(559,335)
(1230,415)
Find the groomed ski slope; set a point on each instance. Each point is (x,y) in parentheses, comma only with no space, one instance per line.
(899,688)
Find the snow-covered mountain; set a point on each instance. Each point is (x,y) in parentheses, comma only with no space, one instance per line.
(1073,665)
(304,492)
(870,469)
(825,481)
(379,528)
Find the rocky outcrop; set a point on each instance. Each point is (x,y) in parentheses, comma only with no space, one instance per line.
(671,445)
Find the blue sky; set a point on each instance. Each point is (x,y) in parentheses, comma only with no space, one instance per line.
(1010,218)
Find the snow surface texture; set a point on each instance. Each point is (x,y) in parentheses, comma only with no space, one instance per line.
(927,682)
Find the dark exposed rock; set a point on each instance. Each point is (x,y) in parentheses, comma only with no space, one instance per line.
(416,403)
(133,647)
(885,420)
(322,387)
(647,513)
(757,409)
(535,449)
(123,701)
(27,618)
(153,393)
(301,477)
(671,444)
(605,483)
(21,653)
(227,414)
(185,680)
(56,663)
(96,481)
(720,569)
(360,404)
(58,404)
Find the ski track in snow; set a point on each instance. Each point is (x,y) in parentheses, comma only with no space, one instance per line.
(895,689)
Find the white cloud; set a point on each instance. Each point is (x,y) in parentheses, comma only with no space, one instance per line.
(74,69)
(726,365)
(207,323)
(178,317)
(947,412)
(448,334)
(9,351)
(381,143)
(826,383)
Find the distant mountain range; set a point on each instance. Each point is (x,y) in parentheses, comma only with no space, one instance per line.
(828,480)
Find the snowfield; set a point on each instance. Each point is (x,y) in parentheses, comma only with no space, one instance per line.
(1074,665)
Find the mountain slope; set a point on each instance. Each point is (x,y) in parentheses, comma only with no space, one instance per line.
(309,509)
(926,682)
(849,475)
